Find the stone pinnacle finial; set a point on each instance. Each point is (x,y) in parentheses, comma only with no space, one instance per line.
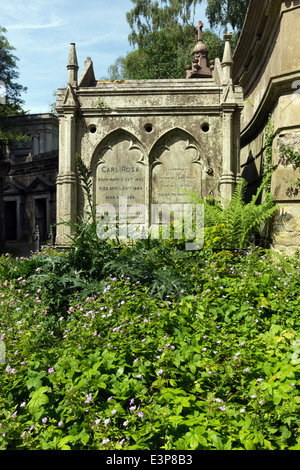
(72,61)
(72,65)
(200,67)
(227,62)
(199,29)
(227,56)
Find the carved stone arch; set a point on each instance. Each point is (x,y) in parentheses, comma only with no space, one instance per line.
(110,140)
(176,161)
(177,133)
(119,168)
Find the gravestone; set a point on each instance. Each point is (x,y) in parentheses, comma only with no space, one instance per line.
(148,142)
(176,168)
(120,172)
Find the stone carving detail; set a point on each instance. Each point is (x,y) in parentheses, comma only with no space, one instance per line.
(120,171)
(176,164)
(184,132)
(200,67)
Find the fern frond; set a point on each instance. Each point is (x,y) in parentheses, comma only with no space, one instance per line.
(234,216)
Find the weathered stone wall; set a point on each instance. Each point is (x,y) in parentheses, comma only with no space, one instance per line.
(30,187)
(146,139)
(149,115)
(267,66)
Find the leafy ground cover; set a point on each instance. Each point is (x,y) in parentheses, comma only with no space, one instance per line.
(157,349)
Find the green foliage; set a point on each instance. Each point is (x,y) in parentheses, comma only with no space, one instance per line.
(147,17)
(165,55)
(162,57)
(165,37)
(216,367)
(100,103)
(85,180)
(268,166)
(9,73)
(150,346)
(9,131)
(222,13)
(116,70)
(233,226)
(289,155)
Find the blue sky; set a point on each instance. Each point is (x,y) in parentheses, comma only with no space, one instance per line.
(41,32)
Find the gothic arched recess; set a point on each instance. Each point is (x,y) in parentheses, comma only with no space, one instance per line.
(176,162)
(119,168)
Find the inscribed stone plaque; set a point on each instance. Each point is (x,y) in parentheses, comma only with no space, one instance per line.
(176,166)
(120,173)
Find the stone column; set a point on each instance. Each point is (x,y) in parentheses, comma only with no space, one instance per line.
(228,176)
(4,170)
(229,107)
(66,181)
(237,145)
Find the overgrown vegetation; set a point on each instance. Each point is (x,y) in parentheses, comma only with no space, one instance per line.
(12,101)
(289,155)
(237,224)
(207,360)
(166,54)
(150,346)
(268,165)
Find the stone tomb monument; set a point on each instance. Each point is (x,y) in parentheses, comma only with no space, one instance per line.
(146,140)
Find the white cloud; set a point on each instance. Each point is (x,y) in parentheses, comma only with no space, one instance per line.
(41,32)
(36,14)
(55,22)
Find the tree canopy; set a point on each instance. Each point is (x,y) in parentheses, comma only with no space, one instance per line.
(166,55)
(9,72)
(148,16)
(221,13)
(11,103)
(164,35)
